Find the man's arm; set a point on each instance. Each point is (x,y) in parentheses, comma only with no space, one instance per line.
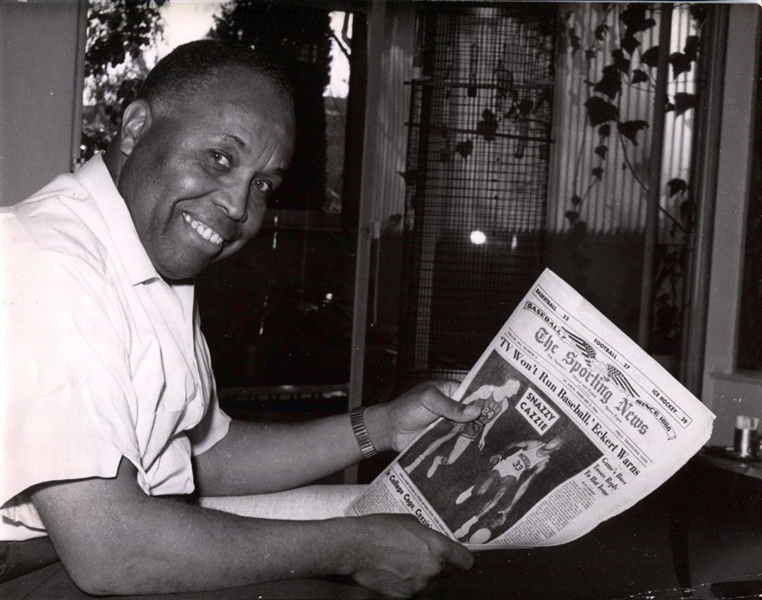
(255,458)
(113,539)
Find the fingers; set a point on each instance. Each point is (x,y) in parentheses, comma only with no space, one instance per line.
(390,584)
(447,551)
(415,578)
(406,416)
(456,411)
(438,399)
(460,556)
(448,387)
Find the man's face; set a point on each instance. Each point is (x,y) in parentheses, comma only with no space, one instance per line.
(197,180)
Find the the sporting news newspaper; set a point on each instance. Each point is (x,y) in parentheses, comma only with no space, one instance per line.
(577,424)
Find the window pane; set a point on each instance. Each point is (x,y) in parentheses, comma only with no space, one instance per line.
(750,329)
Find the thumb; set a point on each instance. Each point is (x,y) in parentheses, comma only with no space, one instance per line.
(460,413)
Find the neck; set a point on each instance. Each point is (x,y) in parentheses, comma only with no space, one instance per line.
(114,160)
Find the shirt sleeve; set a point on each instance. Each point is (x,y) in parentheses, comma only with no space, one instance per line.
(64,413)
(215,424)
(212,428)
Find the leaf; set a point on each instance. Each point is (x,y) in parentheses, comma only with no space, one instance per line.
(526,106)
(610,83)
(576,200)
(639,76)
(620,62)
(601,151)
(686,212)
(680,64)
(676,186)
(650,57)
(691,48)
(699,13)
(684,102)
(630,43)
(634,17)
(487,126)
(601,31)
(590,54)
(574,40)
(644,26)
(572,215)
(597,173)
(599,111)
(604,130)
(410,177)
(465,148)
(629,129)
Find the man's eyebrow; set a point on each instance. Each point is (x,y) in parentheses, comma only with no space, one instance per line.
(238,141)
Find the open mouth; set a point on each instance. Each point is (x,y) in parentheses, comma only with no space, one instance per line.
(206,232)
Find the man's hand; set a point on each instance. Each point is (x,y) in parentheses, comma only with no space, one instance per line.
(398,556)
(395,424)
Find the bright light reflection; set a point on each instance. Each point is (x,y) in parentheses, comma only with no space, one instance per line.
(478,237)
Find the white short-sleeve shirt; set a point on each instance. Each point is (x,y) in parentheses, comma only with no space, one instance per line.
(101,357)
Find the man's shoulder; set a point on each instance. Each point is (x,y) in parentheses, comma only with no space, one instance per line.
(61,219)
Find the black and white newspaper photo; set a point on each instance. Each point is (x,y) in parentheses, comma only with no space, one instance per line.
(481,477)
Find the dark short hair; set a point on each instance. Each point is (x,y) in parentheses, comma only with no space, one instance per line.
(189,68)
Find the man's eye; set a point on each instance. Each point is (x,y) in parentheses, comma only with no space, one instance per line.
(263,186)
(220,158)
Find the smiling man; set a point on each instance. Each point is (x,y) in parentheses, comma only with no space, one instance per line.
(209,157)
(109,405)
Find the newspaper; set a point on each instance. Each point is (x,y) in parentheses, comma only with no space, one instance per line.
(577,424)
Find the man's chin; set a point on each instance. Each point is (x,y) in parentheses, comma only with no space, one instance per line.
(183,273)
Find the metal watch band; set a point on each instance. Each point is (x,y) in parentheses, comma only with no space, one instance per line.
(361,434)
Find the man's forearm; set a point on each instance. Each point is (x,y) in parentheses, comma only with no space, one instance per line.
(113,539)
(255,458)
(197,549)
(135,544)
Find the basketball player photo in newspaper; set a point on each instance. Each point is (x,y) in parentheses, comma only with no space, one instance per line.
(482,476)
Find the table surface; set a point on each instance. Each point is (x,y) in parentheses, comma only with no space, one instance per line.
(724,458)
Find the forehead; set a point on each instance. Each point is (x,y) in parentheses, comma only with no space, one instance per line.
(235,101)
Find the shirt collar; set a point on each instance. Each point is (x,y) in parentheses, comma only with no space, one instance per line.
(94,176)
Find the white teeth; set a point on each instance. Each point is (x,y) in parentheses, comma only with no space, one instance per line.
(204,231)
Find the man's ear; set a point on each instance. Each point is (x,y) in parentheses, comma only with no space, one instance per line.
(136,121)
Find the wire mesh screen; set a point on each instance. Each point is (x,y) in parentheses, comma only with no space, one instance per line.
(477,177)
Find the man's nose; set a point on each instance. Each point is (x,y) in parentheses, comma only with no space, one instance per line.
(234,201)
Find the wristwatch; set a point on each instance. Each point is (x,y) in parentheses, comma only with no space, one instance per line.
(361,434)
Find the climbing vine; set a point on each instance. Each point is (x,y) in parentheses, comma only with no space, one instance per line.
(620,59)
